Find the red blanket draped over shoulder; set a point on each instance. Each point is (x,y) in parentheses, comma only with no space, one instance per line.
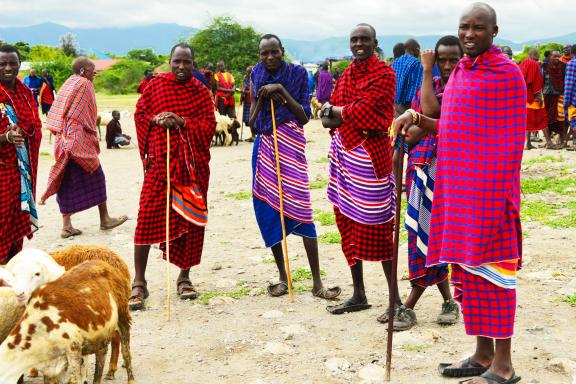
(72,119)
(536,114)
(192,102)
(14,223)
(366,91)
(476,208)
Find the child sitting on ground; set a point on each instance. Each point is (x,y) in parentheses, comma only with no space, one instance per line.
(114,136)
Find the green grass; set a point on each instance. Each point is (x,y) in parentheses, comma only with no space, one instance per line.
(324,218)
(239,195)
(237,294)
(549,184)
(322,160)
(104,100)
(301,274)
(544,159)
(45,153)
(569,299)
(567,221)
(319,183)
(403,236)
(414,347)
(330,238)
(269,261)
(537,210)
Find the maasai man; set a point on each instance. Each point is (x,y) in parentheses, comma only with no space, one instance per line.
(398,50)
(47,92)
(246,102)
(420,175)
(508,52)
(77,178)
(361,186)
(177,102)
(287,85)
(224,88)
(535,109)
(408,71)
(33,82)
(475,222)
(148,75)
(324,89)
(553,94)
(20,136)
(570,96)
(567,54)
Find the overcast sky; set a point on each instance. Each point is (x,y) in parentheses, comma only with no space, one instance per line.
(519,20)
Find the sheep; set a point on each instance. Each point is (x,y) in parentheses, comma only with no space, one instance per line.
(74,315)
(31,262)
(223,123)
(10,309)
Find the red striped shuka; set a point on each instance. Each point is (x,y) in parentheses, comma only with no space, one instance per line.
(14,222)
(537,118)
(189,159)
(476,210)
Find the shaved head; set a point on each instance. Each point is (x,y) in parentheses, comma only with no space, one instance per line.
(369,26)
(81,63)
(484,8)
(533,53)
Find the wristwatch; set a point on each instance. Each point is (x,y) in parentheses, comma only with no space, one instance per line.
(327,110)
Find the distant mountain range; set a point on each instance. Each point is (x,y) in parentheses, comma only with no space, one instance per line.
(160,37)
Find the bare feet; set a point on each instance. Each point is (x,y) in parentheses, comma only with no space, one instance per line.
(112,222)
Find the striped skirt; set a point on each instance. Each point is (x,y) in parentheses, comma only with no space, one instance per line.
(295,184)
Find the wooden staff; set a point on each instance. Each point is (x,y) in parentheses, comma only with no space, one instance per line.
(398,170)
(168,224)
(281,197)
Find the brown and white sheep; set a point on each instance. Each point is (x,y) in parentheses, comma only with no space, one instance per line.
(74,315)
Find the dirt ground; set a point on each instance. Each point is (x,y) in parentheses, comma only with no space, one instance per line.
(237,334)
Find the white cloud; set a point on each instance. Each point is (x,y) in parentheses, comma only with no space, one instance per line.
(519,20)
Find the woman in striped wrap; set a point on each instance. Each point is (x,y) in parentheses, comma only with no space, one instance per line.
(287,85)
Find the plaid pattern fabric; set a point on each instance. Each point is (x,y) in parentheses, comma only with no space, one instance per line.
(72,119)
(476,208)
(570,91)
(488,310)
(189,147)
(224,80)
(80,190)
(408,71)
(423,152)
(537,118)
(365,242)
(366,91)
(15,223)
(294,79)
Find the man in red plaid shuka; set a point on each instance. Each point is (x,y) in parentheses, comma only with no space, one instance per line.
(15,223)
(361,184)
(179,103)
(475,223)
(537,118)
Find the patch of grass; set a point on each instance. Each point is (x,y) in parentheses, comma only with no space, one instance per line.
(241,283)
(269,260)
(414,347)
(324,218)
(549,184)
(239,195)
(566,221)
(301,288)
(237,294)
(569,299)
(403,236)
(301,274)
(544,159)
(45,153)
(330,238)
(319,183)
(322,160)
(538,210)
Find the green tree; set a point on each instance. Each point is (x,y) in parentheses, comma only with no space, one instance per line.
(43,53)
(24,50)
(122,78)
(541,49)
(145,54)
(68,44)
(227,40)
(60,69)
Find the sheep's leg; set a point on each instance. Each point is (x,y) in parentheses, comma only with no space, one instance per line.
(100,361)
(113,367)
(124,328)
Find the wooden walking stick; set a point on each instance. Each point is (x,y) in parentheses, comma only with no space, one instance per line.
(281,198)
(398,170)
(168,224)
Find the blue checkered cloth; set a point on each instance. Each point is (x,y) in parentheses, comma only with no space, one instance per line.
(408,72)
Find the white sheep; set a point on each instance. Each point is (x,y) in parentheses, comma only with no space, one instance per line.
(223,123)
(75,315)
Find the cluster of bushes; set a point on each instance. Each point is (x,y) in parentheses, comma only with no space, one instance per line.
(122,78)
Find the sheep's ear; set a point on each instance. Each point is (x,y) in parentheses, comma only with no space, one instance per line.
(54,269)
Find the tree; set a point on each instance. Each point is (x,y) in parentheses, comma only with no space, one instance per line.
(122,78)
(227,40)
(24,50)
(146,54)
(69,44)
(541,49)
